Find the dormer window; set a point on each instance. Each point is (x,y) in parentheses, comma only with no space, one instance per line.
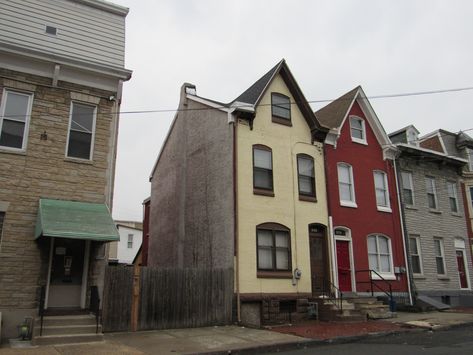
(357,130)
(412,137)
(281,108)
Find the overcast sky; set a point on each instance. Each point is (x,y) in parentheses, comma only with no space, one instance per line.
(223,46)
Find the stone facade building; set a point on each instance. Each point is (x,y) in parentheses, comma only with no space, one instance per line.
(61,75)
(430,180)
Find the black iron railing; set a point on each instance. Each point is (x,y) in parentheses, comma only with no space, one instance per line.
(42,299)
(333,294)
(377,284)
(95,305)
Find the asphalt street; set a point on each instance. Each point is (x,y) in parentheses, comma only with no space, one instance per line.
(457,341)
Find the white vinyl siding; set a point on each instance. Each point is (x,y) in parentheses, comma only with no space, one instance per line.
(381,191)
(83,32)
(346,186)
(15,115)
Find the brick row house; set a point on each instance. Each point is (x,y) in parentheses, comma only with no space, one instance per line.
(304,206)
(363,204)
(61,76)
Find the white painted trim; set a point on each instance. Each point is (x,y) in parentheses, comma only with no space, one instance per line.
(85,274)
(48,280)
(455,193)
(94,122)
(442,250)
(352,202)
(434,152)
(346,238)
(26,131)
(411,185)
(207,103)
(462,248)
(419,253)
(385,275)
(434,187)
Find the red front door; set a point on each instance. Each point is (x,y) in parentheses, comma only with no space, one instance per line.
(343,261)
(461,269)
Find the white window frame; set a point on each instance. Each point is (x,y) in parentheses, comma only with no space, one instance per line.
(386,275)
(455,196)
(411,187)
(419,255)
(442,252)
(363,130)
(460,245)
(129,243)
(385,190)
(434,188)
(27,120)
(352,201)
(94,122)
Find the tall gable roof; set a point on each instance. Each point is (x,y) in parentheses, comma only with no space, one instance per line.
(334,113)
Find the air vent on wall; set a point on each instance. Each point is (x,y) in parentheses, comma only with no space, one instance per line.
(50,30)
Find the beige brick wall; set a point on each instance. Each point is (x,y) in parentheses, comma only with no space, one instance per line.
(44,171)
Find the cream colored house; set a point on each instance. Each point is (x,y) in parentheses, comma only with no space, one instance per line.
(246,192)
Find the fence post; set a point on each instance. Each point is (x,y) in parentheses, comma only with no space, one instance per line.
(135,302)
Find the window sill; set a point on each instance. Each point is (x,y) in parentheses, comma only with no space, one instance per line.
(384,209)
(390,277)
(444,278)
(456,214)
(12,151)
(411,207)
(307,198)
(348,204)
(283,121)
(435,211)
(78,161)
(263,192)
(359,141)
(274,274)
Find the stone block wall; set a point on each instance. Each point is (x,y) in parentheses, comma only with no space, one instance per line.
(44,171)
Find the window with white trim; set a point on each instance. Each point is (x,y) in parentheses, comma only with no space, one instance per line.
(379,254)
(431,192)
(452,196)
(357,130)
(346,186)
(381,190)
(415,255)
(14,119)
(81,131)
(407,188)
(439,256)
(130,241)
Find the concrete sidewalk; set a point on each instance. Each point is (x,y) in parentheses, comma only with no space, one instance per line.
(234,339)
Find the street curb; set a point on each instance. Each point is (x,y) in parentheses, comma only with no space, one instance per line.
(308,343)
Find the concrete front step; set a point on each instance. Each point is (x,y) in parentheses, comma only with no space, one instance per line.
(67,339)
(380,314)
(362,306)
(67,320)
(68,329)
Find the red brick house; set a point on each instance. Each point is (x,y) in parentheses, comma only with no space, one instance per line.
(363,199)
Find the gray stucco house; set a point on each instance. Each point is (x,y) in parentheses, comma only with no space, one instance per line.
(430,172)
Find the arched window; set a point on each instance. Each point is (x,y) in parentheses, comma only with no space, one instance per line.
(379,254)
(274,247)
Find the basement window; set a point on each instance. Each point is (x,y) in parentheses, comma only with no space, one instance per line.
(51,30)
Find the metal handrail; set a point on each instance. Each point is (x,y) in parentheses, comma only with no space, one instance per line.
(95,305)
(373,283)
(42,299)
(331,291)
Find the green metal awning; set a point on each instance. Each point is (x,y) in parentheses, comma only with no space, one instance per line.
(77,220)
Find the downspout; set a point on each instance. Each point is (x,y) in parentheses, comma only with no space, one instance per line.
(235,213)
(403,233)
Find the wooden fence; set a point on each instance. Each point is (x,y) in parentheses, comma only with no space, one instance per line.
(167,298)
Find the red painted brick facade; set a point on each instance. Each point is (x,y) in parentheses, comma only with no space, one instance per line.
(365,219)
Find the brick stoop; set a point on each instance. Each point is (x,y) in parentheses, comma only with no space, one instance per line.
(69,329)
